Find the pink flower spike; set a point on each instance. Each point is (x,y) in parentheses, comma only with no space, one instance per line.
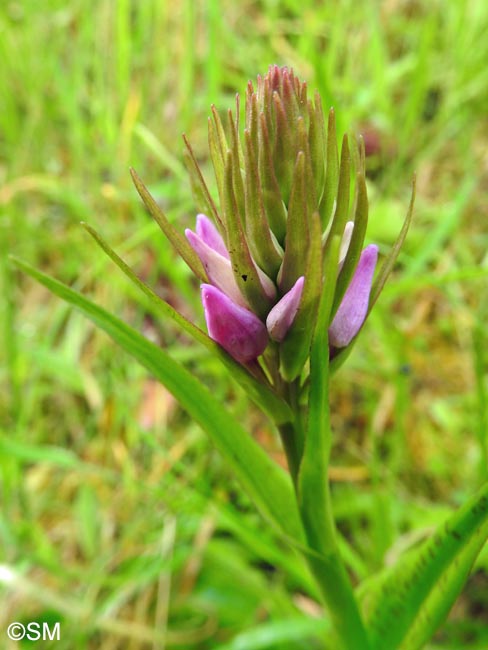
(235,328)
(354,306)
(218,268)
(281,317)
(209,234)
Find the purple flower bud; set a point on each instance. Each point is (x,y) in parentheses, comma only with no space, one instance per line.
(210,248)
(354,306)
(235,328)
(217,266)
(209,234)
(281,317)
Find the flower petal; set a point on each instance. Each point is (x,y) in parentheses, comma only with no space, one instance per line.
(235,328)
(209,234)
(281,317)
(354,306)
(210,248)
(218,267)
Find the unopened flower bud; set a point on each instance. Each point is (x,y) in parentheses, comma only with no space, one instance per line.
(235,328)
(354,306)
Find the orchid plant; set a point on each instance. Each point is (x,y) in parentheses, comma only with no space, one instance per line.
(287,284)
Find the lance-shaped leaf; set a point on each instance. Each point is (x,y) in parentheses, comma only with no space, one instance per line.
(405,604)
(255,385)
(235,328)
(326,208)
(317,139)
(252,117)
(304,145)
(444,594)
(273,201)
(199,186)
(295,349)
(175,237)
(290,95)
(355,246)
(239,163)
(263,248)
(218,163)
(297,228)
(274,496)
(220,133)
(256,287)
(389,262)
(284,148)
(343,193)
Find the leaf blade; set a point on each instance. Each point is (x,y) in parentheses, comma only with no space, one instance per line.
(396,600)
(274,495)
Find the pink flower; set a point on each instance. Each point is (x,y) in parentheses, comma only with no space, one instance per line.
(235,328)
(229,319)
(354,306)
(281,317)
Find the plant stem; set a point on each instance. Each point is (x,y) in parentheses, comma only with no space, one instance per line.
(323,556)
(328,569)
(289,441)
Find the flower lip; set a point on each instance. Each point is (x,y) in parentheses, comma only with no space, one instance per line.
(235,328)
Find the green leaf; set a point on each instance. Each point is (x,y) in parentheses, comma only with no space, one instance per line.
(273,201)
(341,211)
(261,244)
(295,349)
(331,173)
(243,267)
(389,262)
(355,247)
(274,634)
(404,605)
(199,186)
(175,237)
(265,482)
(317,143)
(261,394)
(297,229)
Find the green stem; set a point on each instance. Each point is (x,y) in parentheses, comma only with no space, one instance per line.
(329,571)
(323,557)
(289,441)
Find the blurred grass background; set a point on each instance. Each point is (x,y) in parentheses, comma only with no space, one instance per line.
(117,518)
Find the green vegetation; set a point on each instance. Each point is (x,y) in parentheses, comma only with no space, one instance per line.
(118,518)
